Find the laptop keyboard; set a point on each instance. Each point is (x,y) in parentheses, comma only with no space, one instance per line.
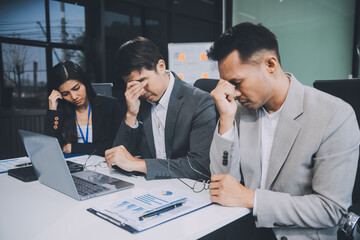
(87,188)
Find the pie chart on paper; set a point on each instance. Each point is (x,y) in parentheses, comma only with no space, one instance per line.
(166,193)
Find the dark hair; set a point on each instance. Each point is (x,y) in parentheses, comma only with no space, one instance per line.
(247,38)
(137,54)
(61,73)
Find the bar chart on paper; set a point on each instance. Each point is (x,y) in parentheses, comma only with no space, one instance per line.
(151,208)
(151,200)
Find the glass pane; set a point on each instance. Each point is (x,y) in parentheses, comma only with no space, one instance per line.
(23,19)
(156,30)
(76,56)
(208,9)
(160,3)
(122,23)
(145,3)
(191,30)
(315,37)
(25,75)
(67,23)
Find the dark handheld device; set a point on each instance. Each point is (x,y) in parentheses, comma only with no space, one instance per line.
(27,174)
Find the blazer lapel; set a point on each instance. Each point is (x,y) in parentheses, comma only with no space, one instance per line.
(286,132)
(250,135)
(172,115)
(147,125)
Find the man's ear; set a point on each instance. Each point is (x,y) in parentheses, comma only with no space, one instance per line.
(271,63)
(161,66)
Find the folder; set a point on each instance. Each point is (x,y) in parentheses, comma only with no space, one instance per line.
(152,208)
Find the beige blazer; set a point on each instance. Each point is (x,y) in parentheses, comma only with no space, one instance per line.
(312,164)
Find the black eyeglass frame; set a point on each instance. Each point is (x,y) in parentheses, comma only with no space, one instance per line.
(205,185)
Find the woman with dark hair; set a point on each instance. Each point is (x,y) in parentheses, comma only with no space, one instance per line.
(83,122)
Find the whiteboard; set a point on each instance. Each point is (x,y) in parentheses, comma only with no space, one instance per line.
(189,61)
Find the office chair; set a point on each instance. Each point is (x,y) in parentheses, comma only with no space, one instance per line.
(103,88)
(349,91)
(207,85)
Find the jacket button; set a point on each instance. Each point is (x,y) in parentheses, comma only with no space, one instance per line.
(56,118)
(283,238)
(55,126)
(56,122)
(225,158)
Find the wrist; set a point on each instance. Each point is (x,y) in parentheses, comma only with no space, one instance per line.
(225,124)
(140,165)
(130,119)
(251,199)
(52,107)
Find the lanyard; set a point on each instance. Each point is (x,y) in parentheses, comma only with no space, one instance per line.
(87,127)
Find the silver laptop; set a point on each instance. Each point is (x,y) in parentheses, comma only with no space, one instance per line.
(51,169)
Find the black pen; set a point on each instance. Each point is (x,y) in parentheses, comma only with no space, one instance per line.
(154,213)
(23,165)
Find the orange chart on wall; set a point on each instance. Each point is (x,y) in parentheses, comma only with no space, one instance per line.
(203,56)
(204,75)
(181,57)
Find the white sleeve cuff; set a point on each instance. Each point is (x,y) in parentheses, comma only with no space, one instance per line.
(255,207)
(229,135)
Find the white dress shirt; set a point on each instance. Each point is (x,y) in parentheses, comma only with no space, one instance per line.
(83,129)
(158,119)
(268,126)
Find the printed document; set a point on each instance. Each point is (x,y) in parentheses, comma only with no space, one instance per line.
(128,211)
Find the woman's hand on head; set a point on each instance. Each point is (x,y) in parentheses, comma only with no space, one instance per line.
(54,100)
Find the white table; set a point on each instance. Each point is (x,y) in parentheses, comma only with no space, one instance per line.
(35,211)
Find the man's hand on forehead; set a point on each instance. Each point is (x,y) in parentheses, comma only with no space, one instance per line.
(136,82)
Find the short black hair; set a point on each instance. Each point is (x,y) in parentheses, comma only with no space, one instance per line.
(137,54)
(247,38)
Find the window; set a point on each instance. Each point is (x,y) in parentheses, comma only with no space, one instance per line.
(156,28)
(193,30)
(61,54)
(67,23)
(207,9)
(24,71)
(122,22)
(28,50)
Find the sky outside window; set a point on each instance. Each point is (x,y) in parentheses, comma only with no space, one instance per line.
(22,19)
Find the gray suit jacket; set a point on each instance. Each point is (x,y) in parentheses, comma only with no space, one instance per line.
(190,123)
(312,163)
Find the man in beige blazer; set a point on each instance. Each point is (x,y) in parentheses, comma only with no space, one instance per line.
(287,151)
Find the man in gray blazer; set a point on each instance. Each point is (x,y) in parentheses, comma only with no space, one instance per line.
(287,151)
(169,124)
